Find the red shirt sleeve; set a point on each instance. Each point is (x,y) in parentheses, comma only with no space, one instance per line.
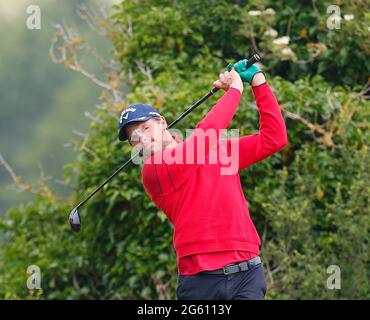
(272,135)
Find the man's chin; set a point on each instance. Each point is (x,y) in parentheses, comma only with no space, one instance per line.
(155,148)
(150,150)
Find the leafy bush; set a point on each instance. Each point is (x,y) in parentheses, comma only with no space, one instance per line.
(309,202)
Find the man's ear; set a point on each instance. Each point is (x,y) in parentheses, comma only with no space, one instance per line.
(164,122)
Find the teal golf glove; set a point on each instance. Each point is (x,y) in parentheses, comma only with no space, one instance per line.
(245,74)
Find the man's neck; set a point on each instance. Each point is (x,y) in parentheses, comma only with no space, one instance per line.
(169,141)
(171,144)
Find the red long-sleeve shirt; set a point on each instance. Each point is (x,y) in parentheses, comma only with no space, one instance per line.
(212,225)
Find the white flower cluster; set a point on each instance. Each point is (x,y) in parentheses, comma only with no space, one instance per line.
(348,17)
(287,52)
(254,13)
(267,12)
(271,33)
(281,41)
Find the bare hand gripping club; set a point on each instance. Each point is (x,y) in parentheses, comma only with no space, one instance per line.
(74,217)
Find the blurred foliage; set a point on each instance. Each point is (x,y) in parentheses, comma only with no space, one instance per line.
(40,103)
(317,211)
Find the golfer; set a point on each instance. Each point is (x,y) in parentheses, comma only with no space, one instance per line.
(215,240)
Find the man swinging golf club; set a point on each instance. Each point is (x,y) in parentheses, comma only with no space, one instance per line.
(216,243)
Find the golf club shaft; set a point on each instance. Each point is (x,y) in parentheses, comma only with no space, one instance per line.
(108,179)
(255,58)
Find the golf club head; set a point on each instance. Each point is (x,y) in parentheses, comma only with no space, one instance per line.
(75,220)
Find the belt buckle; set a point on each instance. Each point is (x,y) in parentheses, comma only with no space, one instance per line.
(230,267)
(224,270)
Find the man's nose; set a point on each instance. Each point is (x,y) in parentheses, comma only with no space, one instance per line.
(143,138)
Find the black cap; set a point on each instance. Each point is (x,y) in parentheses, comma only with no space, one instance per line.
(135,113)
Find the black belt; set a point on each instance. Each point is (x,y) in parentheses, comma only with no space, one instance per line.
(234,268)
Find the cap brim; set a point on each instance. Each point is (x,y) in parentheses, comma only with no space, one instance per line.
(122,132)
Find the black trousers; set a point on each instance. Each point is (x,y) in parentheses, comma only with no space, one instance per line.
(243,285)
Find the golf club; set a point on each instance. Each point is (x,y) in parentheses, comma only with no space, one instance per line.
(74,217)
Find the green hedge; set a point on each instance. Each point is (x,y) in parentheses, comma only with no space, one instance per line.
(309,201)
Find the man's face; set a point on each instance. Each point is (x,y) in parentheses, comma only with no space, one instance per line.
(147,135)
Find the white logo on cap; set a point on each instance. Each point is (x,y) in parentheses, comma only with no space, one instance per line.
(155,113)
(126,116)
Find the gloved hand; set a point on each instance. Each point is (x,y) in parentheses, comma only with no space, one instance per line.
(245,74)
